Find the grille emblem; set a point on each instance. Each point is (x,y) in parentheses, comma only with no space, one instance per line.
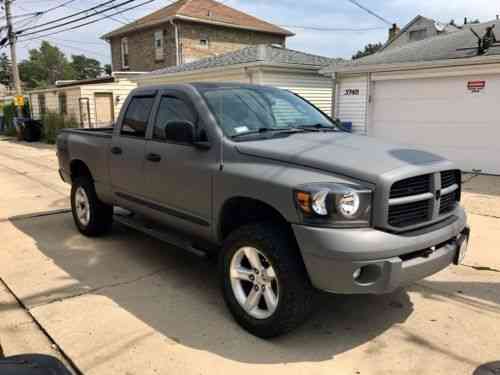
(438,194)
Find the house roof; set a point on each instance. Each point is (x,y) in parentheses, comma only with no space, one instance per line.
(205,11)
(265,54)
(437,48)
(447,29)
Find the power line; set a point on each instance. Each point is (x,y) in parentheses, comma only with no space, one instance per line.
(331,28)
(59,6)
(90,22)
(370,12)
(123,22)
(69,16)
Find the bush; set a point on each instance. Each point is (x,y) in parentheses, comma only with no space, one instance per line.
(53,122)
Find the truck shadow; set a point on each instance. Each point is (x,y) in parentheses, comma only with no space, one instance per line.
(177,295)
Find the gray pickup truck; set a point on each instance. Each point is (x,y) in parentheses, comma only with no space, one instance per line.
(261,177)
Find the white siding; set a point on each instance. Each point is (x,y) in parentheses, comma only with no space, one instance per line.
(310,85)
(119,89)
(229,75)
(352,102)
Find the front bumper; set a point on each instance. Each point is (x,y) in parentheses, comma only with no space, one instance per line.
(331,256)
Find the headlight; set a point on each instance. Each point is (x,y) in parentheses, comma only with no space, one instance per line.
(334,205)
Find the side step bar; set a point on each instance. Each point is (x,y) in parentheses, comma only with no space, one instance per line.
(140,224)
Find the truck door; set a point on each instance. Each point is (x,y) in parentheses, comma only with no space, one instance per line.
(179,176)
(128,147)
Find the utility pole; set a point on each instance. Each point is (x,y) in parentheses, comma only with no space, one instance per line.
(13,56)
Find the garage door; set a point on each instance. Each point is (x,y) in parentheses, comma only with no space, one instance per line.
(443,116)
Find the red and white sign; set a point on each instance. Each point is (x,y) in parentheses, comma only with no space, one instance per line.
(476,86)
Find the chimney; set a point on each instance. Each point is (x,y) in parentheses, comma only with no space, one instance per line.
(393,31)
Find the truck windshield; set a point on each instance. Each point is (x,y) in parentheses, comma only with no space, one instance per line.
(257,110)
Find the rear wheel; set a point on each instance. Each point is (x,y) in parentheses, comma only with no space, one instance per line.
(92,217)
(264,281)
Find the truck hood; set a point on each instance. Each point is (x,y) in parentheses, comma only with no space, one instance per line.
(355,156)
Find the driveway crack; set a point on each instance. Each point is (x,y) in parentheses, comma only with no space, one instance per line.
(100,288)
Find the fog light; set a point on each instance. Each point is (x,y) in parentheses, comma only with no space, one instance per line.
(356,273)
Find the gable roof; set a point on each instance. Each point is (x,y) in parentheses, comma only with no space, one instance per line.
(437,48)
(264,54)
(447,28)
(204,11)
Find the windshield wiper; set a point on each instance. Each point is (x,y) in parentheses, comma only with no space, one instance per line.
(318,128)
(266,130)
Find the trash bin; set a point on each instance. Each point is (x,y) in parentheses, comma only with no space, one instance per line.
(29,130)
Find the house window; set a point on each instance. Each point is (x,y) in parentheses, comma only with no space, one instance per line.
(158,44)
(418,34)
(204,42)
(41,104)
(63,106)
(124,45)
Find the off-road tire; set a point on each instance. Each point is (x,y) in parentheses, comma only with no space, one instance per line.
(101,214)
(277,244)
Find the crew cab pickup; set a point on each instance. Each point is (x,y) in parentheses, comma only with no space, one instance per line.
(289,201)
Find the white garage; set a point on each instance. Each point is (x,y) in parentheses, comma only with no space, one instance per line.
(449,106)
(442,115)
(262,64)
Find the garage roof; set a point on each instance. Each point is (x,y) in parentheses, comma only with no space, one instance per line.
(437,48)
(265,54)
(205,11)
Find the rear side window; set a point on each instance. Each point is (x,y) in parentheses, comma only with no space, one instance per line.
(171,109)
(136,118)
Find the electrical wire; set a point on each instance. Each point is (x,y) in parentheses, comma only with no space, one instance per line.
(72,15)
(369,11)
(90,22)
(314,28)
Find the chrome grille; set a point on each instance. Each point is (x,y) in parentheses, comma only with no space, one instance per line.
(448,203)
(425,198)
(448,178)
(403,215)
(411,186)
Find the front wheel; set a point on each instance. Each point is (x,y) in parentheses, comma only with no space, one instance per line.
(92,217)
(264,280)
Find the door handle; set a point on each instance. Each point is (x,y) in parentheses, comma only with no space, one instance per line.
(153,157)
(116,150)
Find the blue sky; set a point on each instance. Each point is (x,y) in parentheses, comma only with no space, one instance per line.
(317,13)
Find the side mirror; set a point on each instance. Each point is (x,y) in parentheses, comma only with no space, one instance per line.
(180,131)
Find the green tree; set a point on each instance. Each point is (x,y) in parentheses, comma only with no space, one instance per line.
(5,70)
(369,49)
(85,68)
(107,69)
(45,66)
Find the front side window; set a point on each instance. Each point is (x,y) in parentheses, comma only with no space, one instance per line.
(158,44)
(171,109)
(243,110)
(136,118)
(124,49)
(63,108)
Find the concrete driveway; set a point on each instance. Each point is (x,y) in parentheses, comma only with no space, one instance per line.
(128,304)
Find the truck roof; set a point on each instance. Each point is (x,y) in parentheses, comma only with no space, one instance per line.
(193,85)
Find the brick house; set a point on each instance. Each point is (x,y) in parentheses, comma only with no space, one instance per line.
(185,31)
